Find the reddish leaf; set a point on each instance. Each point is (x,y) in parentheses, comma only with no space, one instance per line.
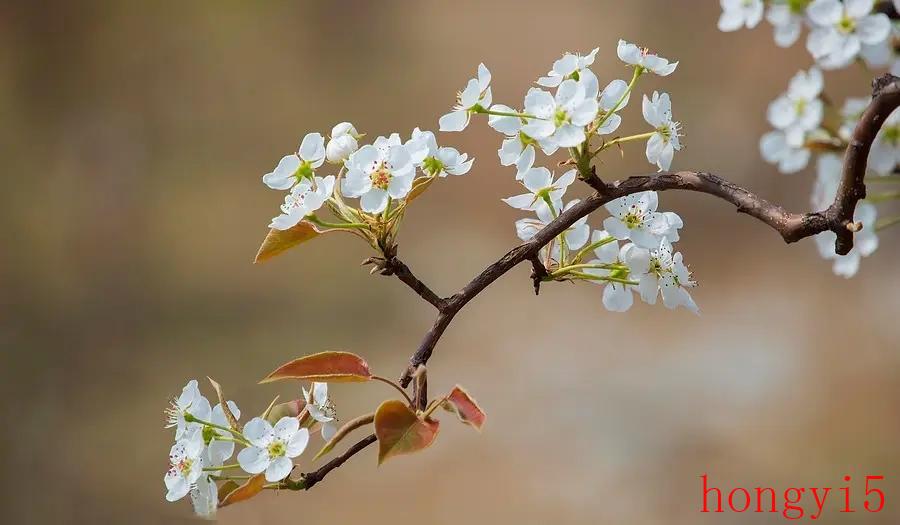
(252,487)
(333,367)
(419,188)
(401,431)
(227,488)
(278,241)
(286,409)
(462,403)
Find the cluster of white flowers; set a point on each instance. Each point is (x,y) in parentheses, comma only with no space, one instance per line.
(838,31)
(841,33)
(568,119)
(205,439)
(380,174)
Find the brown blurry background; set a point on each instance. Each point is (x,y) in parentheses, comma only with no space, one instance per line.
(134,136)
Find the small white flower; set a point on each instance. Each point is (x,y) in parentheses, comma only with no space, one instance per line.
(790,157)
(539,182)
(321,408)
(189,402)
(272,448)
(293,168)
(377,172)
(828,178)
(560,119)
(740,13)
(842,29)
(342,143)
(575,235)
(421,145)
(799,110)
(635,217)
(787,20)
(641,57)
(477,93)
(865,242)
(663,144)
(185,464)
(516,141)
(610,98)
(205,497)
(573,66)
(305,198)
(666,274)
(617,297)
(885,153)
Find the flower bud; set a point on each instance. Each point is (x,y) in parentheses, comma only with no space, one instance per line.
(344,128)
(340,147)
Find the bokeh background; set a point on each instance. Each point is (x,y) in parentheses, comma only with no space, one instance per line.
(134,135)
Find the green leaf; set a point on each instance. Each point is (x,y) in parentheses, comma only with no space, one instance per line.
(342,432)
(232,421)
(250,488)
(332,367)
(401,431)
(465,407)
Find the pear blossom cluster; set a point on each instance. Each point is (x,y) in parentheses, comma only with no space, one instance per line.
(570,110)
(381,175)
(805,123)
(205,439)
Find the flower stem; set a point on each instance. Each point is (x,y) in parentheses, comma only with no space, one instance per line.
(571,268)
(221,467)
(190,418)
(434,406)
(345,225)
(638,71)
(508,114)
(606,278)
(589,247)
(622,140)
(395,385)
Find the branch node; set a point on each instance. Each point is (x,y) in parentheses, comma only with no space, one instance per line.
(538,273)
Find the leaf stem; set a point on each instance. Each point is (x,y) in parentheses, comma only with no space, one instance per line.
(395,385)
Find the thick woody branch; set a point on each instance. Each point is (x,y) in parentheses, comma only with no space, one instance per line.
(309,479)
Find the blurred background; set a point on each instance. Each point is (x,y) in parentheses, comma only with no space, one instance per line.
(134,137)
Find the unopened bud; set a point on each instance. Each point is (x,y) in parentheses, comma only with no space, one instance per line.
(340,147)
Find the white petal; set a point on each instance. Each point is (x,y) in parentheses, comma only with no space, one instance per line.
(297,443)
(258,432)
(253,460)
(279,469)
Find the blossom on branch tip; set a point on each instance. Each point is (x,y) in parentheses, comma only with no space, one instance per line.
(776,148)
(740,13)
(799,110)
(220,447)
(617,296)
(666,274)
(272,448)
(305,198)
(539,182)
(787,21)
(569,66)
(842,28)
(293,168)
(664,142)
(190,402)
(378,172)
(643,58)
(613,98)
(477,94)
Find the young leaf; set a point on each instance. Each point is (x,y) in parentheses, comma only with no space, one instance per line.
(286,409)
(332,367)
(232,421)
(462,403)
(227,488)
(278,241)
(342,432)
(419,187)
(252,487)
(401,431)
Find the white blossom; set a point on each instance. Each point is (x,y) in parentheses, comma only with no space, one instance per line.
(378,172)
(617,296)
(205,497)
(220,446)
(613,98)
(799,110)
(635,217)
(842,28)
(321,408)
(560,119)
(572,66)
(342,143)
(664,142)
(790,157)
(575,235)
(740,13)
(272,448)
(192,402)
(641,57)
(541,187)
(477,93)
(293,168)
(666,274)
(305,198)
(185,464)
(787,21)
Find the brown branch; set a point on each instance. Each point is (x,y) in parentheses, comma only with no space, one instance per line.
(792,226)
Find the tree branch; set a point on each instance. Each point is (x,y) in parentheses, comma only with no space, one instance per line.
(309,479)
